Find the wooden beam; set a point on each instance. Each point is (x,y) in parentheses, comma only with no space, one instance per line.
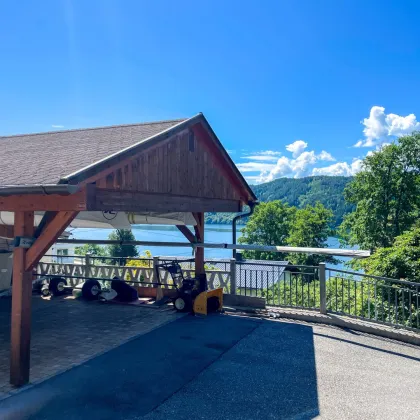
(21,305)
(119,200)
(44,202)
(6,231)
(187,233)
(199,252)
(53,229)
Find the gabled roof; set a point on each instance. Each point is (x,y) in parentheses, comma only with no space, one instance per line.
(45,158)
(61,157)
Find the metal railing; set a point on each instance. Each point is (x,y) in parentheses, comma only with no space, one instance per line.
(329,290)
(326,289)
(280,285)
(380,299)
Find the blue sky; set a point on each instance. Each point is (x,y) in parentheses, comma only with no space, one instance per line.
(289,86)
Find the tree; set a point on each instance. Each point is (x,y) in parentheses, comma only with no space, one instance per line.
(310,227)
(275,223)
(386,194)
(122,251)
(269,225)
(400,261)
(93,249)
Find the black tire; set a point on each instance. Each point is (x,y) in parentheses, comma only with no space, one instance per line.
(91,290)
(57,286)
(125,292)
(45,291)
(183,303)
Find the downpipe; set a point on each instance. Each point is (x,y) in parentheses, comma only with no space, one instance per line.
(251,205)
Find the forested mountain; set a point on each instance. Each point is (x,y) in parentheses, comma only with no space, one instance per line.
(300,192)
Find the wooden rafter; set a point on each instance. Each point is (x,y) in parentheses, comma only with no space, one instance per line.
(52,230)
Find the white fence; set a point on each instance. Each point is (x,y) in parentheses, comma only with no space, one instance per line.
(144,276)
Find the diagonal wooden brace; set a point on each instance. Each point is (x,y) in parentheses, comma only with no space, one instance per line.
(187,233)
(52,230)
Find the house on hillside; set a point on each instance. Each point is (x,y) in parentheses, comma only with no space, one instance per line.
(255,276)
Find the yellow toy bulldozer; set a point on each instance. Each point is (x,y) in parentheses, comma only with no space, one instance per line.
(192,294)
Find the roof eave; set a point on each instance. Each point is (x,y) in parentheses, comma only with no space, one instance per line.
(46,189)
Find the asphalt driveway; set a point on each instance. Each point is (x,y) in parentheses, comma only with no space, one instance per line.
(226,367)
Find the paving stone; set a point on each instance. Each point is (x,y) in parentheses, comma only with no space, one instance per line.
(67,332)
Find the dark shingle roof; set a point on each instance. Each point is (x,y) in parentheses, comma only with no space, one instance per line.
(45,158)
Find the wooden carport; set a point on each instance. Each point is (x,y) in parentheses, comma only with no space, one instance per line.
(166,166)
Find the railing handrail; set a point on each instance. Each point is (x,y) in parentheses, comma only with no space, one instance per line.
(182,259)
(411,283)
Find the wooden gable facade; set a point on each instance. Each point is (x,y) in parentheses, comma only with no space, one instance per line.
(180,165)
(187,171)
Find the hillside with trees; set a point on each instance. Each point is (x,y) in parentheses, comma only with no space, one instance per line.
(277,223)
(301,192)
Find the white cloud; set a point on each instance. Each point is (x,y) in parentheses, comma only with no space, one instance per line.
(57,126)
(380,127)
(297,147)
(360,143)
(255,166)
(263,155)
(282,168)
(252,179)
(301,166)
(269,152)
(267,158)
(340,168)
(326,156)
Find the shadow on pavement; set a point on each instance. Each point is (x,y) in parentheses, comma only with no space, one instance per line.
(219,367)
(269,374)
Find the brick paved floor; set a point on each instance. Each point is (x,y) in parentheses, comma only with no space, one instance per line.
(67,332)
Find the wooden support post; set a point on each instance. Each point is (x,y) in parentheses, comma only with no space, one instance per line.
(21,304)
(199,252)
